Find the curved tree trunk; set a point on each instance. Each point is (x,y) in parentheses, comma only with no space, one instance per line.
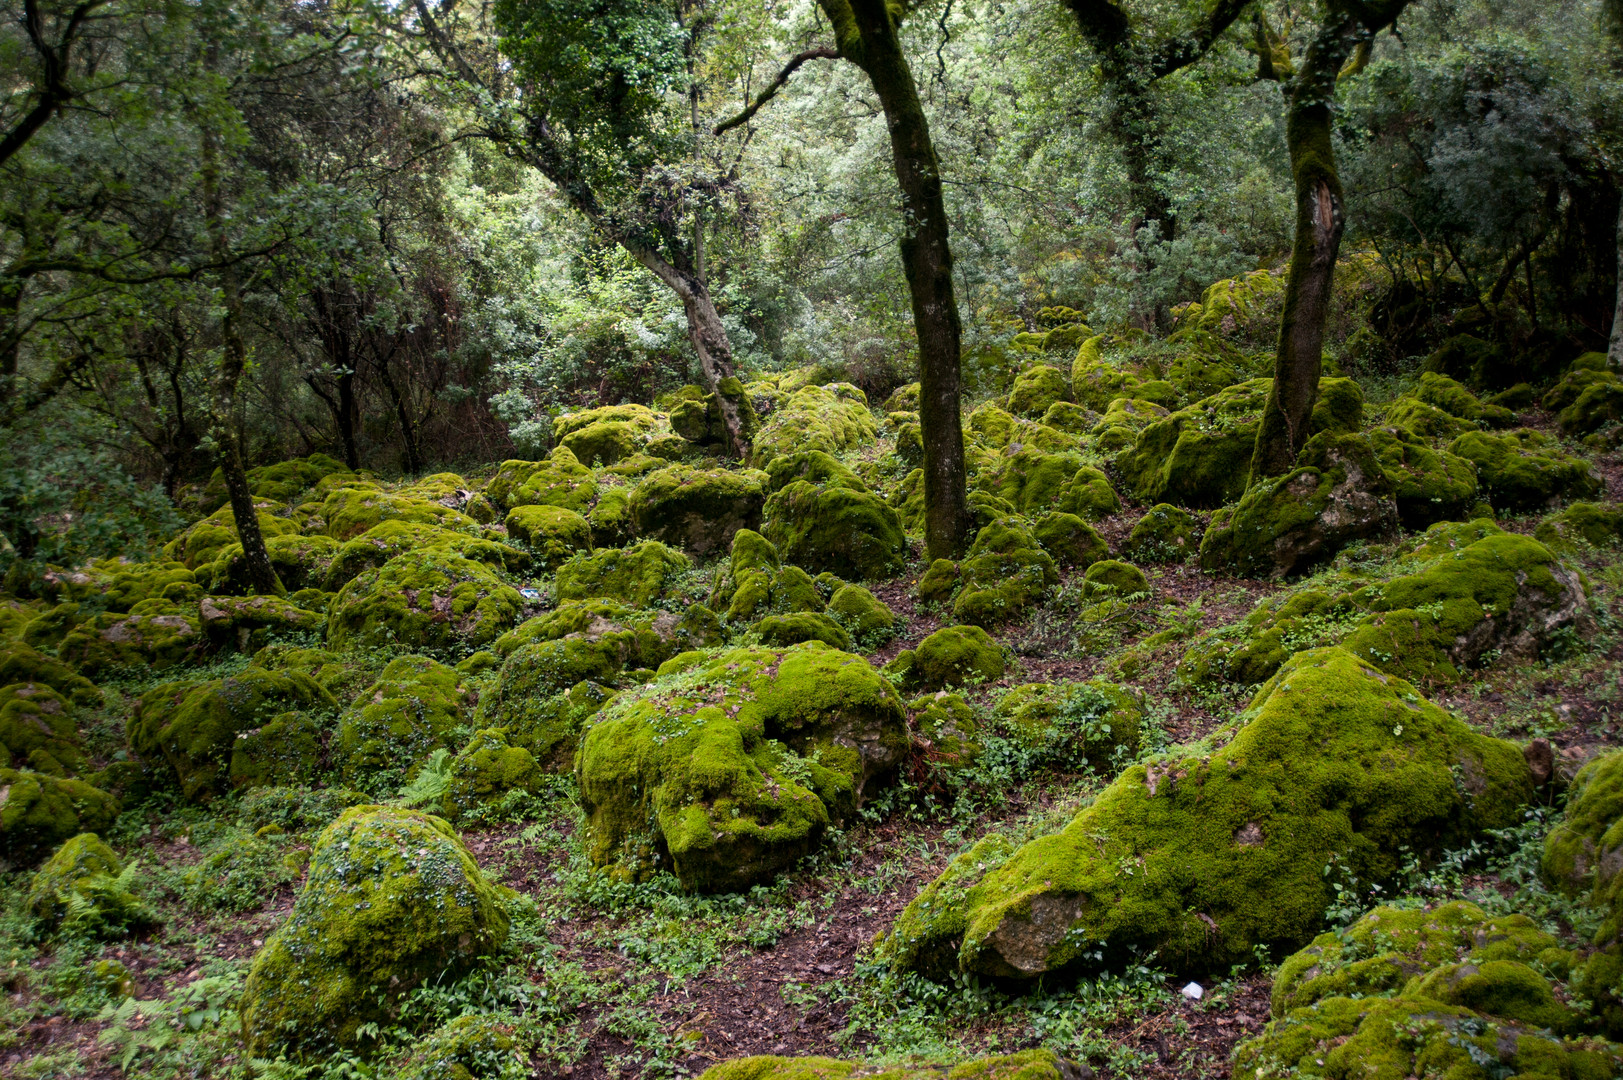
(868,37)
(1320,219)
(1614,353)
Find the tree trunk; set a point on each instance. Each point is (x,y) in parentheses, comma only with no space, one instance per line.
(233,360)
(1614,354)
(408,430)
(868,36)
(1320,219)
(346,418)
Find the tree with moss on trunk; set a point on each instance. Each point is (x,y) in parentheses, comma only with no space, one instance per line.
(1612,18)
(1339,48)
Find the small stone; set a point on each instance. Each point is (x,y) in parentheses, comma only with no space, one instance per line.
(1193,991)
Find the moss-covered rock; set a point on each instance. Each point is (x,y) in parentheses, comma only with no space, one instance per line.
(248,623)
(781,631)
(81,882)
(379,544)
(488,769)
(610,518)
(1069,539)
(1122,421)
(1200,455)
(203,731)
(608,434)
(1165,533)
(21,664)
(349,512)
(561,480)
(423,600)
(821,516)
(868,620)
(1525,470)
(39,811)
(696,509)
(1580,525)
(283,481)
(1074,725)
(1582,859)
(699,418)
(119,584)
(392,900)
(990,428)
(1335,766)
(640,574)
(730,770)
(37,731)
(414,708)
(154,635)
(1033,480)
(47,629)
(1336,495)
(831,418)
(952,656)
(299,561)
(1422,421)
(1005,572)
(1427,485)
(1026,1065)
(551,533)
(1113,579)
(1600,403)
(203,541)
(1035,389)
(1245,307)
(471,1047)
(1454,398)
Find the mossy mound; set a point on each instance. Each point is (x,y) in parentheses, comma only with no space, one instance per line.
(1124,418)
(423,600)
(39,811)
(989,428)
(757,583)
(1200,455)
(1524,469)
(1476,591)
(1422,421)
(471,1047)
(1454,398)
(203,730)
(1070,540)
(37,731)
(551,533)
(1095,382)
(1245,308)
(1427,485)
(21,664)
(1580,525)
(342,677)
(154,635)
(283,481)
(1035,389)
(637,637)
(379,544)
(1005,572)
(821,516)
(487,770)
(1165,534)
(392,900)
(1026,1065)
(1600,404)
(952,656)
(698,417)
(1074,725)
(1203,859)
(696,509)
(868,620)
(946,728)
(1336,495)
(299,561)
(1033,480)
(781,631)
(80,883)
(1582,859)
(610,519)
(350,512)
(248,623)
(831,418)
(1113,579)
(201,542)
(561,480)
(412,710)
(639,575)
(731,770)
(608,434)
(118,584)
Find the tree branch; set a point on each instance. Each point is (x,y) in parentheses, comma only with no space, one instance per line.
(821,52)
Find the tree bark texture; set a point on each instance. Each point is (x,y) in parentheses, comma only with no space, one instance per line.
(867,36)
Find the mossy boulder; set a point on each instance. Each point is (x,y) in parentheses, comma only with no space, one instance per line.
(153,635)
(1165,533)
(424,600)
(1600,404)
(781,631)
(832,418)
(548,726)
(1122,421)
(299,561)
(382,542)
(1525,470)
(1245,308)
(203,541)
(551,533)
(952,656)
(561,480)
(471,1047)
(640,574)
(1113,579)
(1070,540)
(1073,725)
(1427,485)
(990,428)
(637,637)
(1583,857)
(81,882)
(1035,389)
(393,899)
(283,481)
(1454,398)
(1581,525)
(119,584)
(821,516)
(610,519)
(696,509)
(203,731)
(1005,572)
(732,769)
(37,730)
(609,434)
(39,811)
(349,512)
(1423,421)
(487,770)
(1026,1065)
(868,620)
(1334,765)
(414,708)
(699,418)
(1200,455)
(1336,495)
(21,664)
(248,623)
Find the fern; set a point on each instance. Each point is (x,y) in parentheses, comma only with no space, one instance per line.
(432,782)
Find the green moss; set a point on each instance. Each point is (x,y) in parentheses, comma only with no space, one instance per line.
(699,419)
(199,729)
(299,561)
(610,519)
(1600,404)
(392,900)
(471,1047)
(952,656)
(638,575)
(37,730)
(39,812)
(1199,455)
(609,434)
(551,533)
(1339,409)
(1165,533)
(989,428)
(1335,766)
(1095,381)
(1064,416)
(1069,539)
(832,419)
(732,769)
(340,677)
(1026,1065)
(868,620)
(696,509)
(1337,495)
(1584,373)
(1073,725)
(547,726)
(248,623)
(486,770)
(1422,421)
(1245,307)
(1590,832)
(1582,524)
(154,635)
(397,723)
(1524,470)
(80,882)
(821,516)
(1005,572)
(423,600)
(1037,388)
(47,629)
(1452,397)
(782,631)
(239,872)
(939,583)
(1112,578)
(21,664)
(383,542)
(561,480)
(1428,485)
(349,512)
(203,541)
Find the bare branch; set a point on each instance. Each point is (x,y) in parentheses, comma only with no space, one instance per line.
(821,52)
